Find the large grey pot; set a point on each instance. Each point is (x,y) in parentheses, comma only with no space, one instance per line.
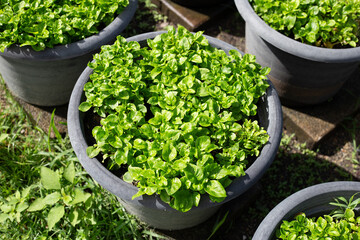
(313,201)
(302,74)
(46,78)
(151,209)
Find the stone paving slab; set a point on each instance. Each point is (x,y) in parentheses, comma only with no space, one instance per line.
(190,18)
(312,124)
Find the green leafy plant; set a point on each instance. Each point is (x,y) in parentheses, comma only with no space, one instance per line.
(325,23)
(342,223)
(32,165)
(46,23)
(179,114)
(60,194)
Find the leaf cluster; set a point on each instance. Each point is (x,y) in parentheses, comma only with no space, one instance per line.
(30,161)
(325,23)
(177,113)
(60,193)
(341,224)
(47,23)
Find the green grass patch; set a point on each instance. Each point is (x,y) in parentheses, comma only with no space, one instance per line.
(45,193)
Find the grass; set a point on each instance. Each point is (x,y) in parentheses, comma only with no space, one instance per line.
(24,149)
(352,129)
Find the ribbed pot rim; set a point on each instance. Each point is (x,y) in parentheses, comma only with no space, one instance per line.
(290,45)
(125,190)
(80,47)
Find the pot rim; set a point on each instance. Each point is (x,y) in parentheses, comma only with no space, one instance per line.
(290,45)
(81,47)
(311,200)
(125,190)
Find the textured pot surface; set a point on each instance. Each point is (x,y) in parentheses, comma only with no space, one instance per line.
(151,209)
(302,74)
(46,78)
(312,201)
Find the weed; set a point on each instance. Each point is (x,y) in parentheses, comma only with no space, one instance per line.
(352,130)
(45,194)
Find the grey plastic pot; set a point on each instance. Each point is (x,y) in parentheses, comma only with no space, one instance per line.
(198,3)
(302,74)
(313,201)
(46,78)
(150,209)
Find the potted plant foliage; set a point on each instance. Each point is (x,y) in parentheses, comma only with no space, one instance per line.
(174,124)
(45,45)
(312,46)
(323,211)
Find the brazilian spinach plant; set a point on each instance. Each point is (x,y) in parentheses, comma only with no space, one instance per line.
(46,23)
(343,223)
(325,23)
(178,113)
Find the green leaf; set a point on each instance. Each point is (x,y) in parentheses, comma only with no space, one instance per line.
(214,188)
(169,152)
(140,144)
(349,214)
(3,217)
(290,21)
(203,142)
(218,225)
(196,58)
(84,106)
(184,44)
(322,223)
(92,151)
(49,179)
(22,207)
(69,173)
(25,192)
(127,177)
(55,215)
(155,72)
(138,194)
(3,137)
(74,217)
(183,201)
(6,208)
(37,205)
(52,198)
(80,196)
(174,186)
